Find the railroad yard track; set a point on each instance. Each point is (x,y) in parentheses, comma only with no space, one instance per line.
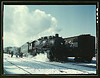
(18,67)
(69,67)
(90,66)
(43,64)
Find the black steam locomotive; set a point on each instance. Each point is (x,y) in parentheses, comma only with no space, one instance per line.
(58,49)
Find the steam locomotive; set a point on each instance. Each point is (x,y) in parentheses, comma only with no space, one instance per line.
(81,47)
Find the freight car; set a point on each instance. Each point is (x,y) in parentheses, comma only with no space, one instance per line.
(81,47)
(24,49)
(27,49)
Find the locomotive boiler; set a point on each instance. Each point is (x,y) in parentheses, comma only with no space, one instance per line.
(42,45)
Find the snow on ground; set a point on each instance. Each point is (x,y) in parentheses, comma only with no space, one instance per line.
(41,65)
(12,69)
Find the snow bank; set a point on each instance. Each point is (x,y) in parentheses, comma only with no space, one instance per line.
(41,57)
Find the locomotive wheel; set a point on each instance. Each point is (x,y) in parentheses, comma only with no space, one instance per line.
(79,59)
(76,59)
(51,55)
(83,59)
(89,59)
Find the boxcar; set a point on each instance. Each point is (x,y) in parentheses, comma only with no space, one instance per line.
(81,47)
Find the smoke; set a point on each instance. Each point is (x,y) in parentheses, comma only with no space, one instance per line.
(41,57)
(21,25)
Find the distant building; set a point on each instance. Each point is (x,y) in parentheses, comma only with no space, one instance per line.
(8,50)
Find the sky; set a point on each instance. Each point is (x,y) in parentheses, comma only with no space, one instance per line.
(23,23)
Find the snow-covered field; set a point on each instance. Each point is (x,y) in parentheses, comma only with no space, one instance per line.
(41,65)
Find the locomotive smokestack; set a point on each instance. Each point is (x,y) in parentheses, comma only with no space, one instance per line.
(56,35)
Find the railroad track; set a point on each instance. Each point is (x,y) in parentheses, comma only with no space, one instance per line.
(79,63)
(52,65)
(90,66)
(18,67)
(65,67)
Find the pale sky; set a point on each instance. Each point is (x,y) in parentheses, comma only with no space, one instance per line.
(22,23)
